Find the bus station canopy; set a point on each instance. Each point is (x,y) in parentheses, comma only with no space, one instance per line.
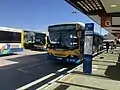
(104,12)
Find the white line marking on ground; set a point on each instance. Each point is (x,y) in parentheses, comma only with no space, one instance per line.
(71,70)
(35,82)
(79,66)
(23,71)
(52,81)
(56,79)
(6,62)
(60,70)
(42,87)
(45,85)
(94,67)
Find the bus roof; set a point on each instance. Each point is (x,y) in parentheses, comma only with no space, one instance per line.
(10,29)
(81,23)
(34,32)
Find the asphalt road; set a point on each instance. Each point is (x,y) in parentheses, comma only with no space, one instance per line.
(30,66)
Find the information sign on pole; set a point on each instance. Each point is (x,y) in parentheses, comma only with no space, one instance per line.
(88,48)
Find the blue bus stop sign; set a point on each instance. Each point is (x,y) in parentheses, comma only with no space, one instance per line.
(88,48)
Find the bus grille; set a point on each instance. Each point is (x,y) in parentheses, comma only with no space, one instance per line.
(61,55)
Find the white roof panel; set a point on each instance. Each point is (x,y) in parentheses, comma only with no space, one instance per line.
(81,23)
(10,29)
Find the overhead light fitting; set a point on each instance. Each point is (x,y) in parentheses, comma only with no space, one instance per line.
(113,5)
(82,6)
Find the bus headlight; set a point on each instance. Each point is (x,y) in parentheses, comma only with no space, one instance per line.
(71,56)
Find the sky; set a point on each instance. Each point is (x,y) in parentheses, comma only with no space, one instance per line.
(39,14)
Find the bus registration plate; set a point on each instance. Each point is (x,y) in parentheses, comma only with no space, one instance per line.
(59,58)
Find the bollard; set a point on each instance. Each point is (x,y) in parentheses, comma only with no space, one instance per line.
(87,64)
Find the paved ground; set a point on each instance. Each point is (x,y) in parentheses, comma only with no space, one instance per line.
(23,68)
(105,76)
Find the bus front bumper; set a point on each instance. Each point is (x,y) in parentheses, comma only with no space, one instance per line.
(75,60)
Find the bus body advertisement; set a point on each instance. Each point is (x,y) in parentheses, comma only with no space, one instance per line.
(11,40)
(66,42)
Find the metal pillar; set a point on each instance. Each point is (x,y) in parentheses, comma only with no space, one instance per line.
(88,48)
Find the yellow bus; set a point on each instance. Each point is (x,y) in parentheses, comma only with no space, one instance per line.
(34,40)
(66,42)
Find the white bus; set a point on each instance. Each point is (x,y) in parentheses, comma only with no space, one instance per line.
(11,40)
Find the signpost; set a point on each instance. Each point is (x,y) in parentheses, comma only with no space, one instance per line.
(88,46)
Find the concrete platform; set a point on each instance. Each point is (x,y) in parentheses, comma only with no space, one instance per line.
(105,75)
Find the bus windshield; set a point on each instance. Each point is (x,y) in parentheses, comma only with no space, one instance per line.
(29,36)
(64,39)
(10,37)
(40,39)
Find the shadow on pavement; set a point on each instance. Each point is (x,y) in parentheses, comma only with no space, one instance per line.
(64,64)
(113,71)
(29,58)
(13,76)
(26,60)
(28,69)
(40,58)
(37,60)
